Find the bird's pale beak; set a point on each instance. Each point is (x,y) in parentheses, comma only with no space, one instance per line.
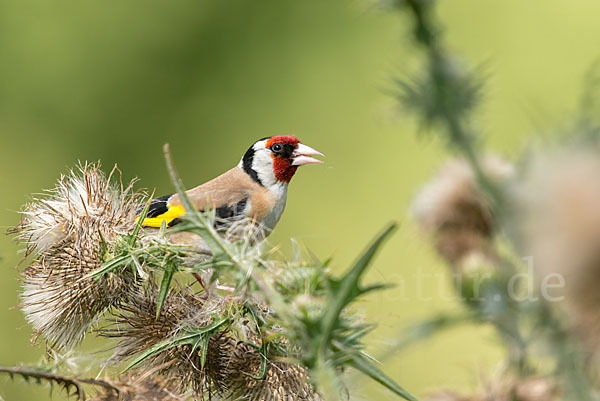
(301,155)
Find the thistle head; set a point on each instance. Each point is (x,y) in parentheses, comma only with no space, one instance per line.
(69,231)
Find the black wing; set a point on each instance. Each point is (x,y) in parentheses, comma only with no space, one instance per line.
(223,213)
(158,206)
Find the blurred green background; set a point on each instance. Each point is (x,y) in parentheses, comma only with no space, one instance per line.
(114,80)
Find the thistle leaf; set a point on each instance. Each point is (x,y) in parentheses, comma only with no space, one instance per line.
(140,221)
(116,262)
(203,350)
(194,337)
(348,288)
(169,270)
(263,363)
(367,368)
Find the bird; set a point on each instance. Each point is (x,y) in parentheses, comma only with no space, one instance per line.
(255,189)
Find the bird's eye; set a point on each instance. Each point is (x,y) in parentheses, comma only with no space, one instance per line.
(276,147)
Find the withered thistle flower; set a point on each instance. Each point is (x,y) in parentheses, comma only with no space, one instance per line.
(69,231)
(454,210)
(138,329)
(556,221)
(233,366)
(236,370)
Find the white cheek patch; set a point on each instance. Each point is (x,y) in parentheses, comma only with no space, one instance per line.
(263,165)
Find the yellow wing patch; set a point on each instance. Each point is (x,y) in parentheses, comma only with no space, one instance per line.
(171,214)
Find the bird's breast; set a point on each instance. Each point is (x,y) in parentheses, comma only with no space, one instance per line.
(272,218)
(269,206)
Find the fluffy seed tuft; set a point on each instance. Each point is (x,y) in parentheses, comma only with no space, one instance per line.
(69,231)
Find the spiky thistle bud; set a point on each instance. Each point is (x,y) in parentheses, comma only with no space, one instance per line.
(69,231)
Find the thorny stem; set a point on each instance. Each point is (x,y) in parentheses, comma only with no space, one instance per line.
(429,39)
(66,381)
(570,363)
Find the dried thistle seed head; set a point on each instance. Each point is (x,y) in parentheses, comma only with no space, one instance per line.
(82,196)
(69,233)
(230,361)
(237,376)
(556,220)
(453,209)
(137,328)
(60,302)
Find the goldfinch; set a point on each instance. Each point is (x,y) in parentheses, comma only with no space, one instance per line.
(255,189)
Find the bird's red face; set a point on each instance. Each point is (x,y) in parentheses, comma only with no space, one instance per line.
(273,161)
(288,154)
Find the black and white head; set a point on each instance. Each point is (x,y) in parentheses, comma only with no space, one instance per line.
(272,161)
